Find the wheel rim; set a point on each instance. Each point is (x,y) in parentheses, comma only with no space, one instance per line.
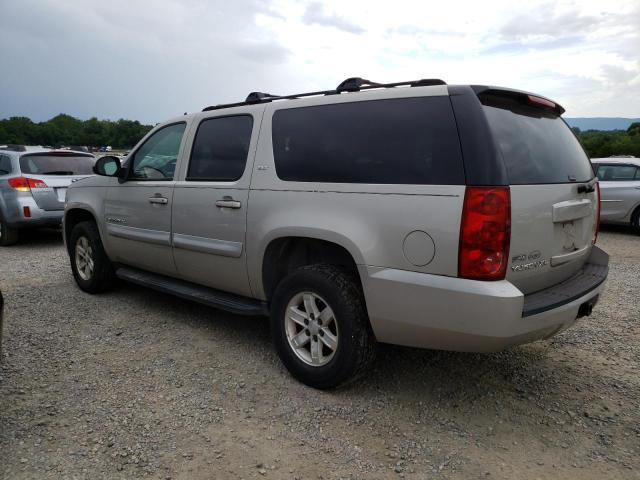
(312,329)
(84,258)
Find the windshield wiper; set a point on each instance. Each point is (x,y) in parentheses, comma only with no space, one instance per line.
(58,172)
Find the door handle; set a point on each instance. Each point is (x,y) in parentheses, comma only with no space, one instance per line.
(160,200)
(228,202)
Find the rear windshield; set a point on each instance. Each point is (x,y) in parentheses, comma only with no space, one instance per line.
(57,164)
(537,145)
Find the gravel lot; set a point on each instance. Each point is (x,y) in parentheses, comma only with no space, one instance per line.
(134,384)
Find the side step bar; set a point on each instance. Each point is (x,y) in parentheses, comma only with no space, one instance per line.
(197,293)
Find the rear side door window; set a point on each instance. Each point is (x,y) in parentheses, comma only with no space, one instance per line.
(617,173)
(157,157)
(391,141)
(220,149)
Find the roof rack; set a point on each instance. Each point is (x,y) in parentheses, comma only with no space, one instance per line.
(353,84)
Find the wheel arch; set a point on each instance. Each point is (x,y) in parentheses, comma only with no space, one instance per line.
(285,253)
(74,216)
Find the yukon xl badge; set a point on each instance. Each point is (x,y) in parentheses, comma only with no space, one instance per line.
(528,266)
(533,261)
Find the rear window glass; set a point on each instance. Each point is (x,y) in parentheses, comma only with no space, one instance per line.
(396,141)
(57,164)
(536,144)
(618,173)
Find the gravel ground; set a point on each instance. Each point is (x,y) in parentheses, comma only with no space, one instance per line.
(136,384)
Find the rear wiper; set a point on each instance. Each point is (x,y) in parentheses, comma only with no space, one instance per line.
(58,172)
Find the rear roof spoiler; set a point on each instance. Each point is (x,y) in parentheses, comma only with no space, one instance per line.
(520,95)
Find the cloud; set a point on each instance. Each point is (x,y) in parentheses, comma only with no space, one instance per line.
(546,44)
(315,14)
(541,22)
(152,59)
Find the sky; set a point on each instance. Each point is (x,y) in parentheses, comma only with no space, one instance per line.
(151,60)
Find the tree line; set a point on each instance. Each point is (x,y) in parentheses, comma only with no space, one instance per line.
(599,143)
(67,130)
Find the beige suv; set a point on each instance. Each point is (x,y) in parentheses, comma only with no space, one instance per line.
(414,213)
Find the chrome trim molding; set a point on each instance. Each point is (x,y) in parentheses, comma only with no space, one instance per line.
(207,245)
(139,234)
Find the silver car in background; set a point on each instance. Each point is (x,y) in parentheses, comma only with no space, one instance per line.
(620,189)
(33,185)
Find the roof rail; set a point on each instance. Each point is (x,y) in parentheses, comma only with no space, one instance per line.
(353,84)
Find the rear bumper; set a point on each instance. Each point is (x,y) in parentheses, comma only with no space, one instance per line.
(431,311)
(15,217)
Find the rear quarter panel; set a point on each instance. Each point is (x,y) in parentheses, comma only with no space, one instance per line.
(370,221)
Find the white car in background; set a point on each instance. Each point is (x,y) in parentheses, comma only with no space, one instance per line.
(620,189)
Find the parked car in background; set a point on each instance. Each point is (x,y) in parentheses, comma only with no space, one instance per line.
(415,213)
(33,185)
(1,322)
(620,189)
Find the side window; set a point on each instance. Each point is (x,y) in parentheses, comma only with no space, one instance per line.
(156,158)
(394,141)
(617,173)
(220,148)
(5,164)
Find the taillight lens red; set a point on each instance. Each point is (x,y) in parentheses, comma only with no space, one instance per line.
(24,184)
(485,232)
(595,237)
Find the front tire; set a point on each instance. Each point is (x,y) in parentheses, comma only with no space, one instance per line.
(90,265)
(8,235)
(320,326)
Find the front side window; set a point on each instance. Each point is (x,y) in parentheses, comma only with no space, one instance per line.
(618,173)
(391,141)
(220,149)
(156,159)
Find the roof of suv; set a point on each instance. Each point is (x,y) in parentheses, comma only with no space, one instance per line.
(620,159)
(357,84)
(19,150)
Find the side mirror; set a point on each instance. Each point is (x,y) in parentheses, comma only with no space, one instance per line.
(107,166)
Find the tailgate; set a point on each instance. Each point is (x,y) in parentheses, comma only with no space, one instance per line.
(554,199)
(52,196)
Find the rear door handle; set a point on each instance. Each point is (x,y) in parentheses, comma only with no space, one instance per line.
(228,202)
(160,200)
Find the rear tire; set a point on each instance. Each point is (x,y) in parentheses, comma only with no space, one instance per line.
(635,221)
(8,235)
(328,340)
(90,265)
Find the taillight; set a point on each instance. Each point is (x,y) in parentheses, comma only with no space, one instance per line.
(485,232)
(595,237)
(24,184)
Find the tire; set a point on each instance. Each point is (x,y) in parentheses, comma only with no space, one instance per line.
(315,363)
(8,235)
(84,245)
(635,221)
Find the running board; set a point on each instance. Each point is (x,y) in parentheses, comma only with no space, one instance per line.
(197,293)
